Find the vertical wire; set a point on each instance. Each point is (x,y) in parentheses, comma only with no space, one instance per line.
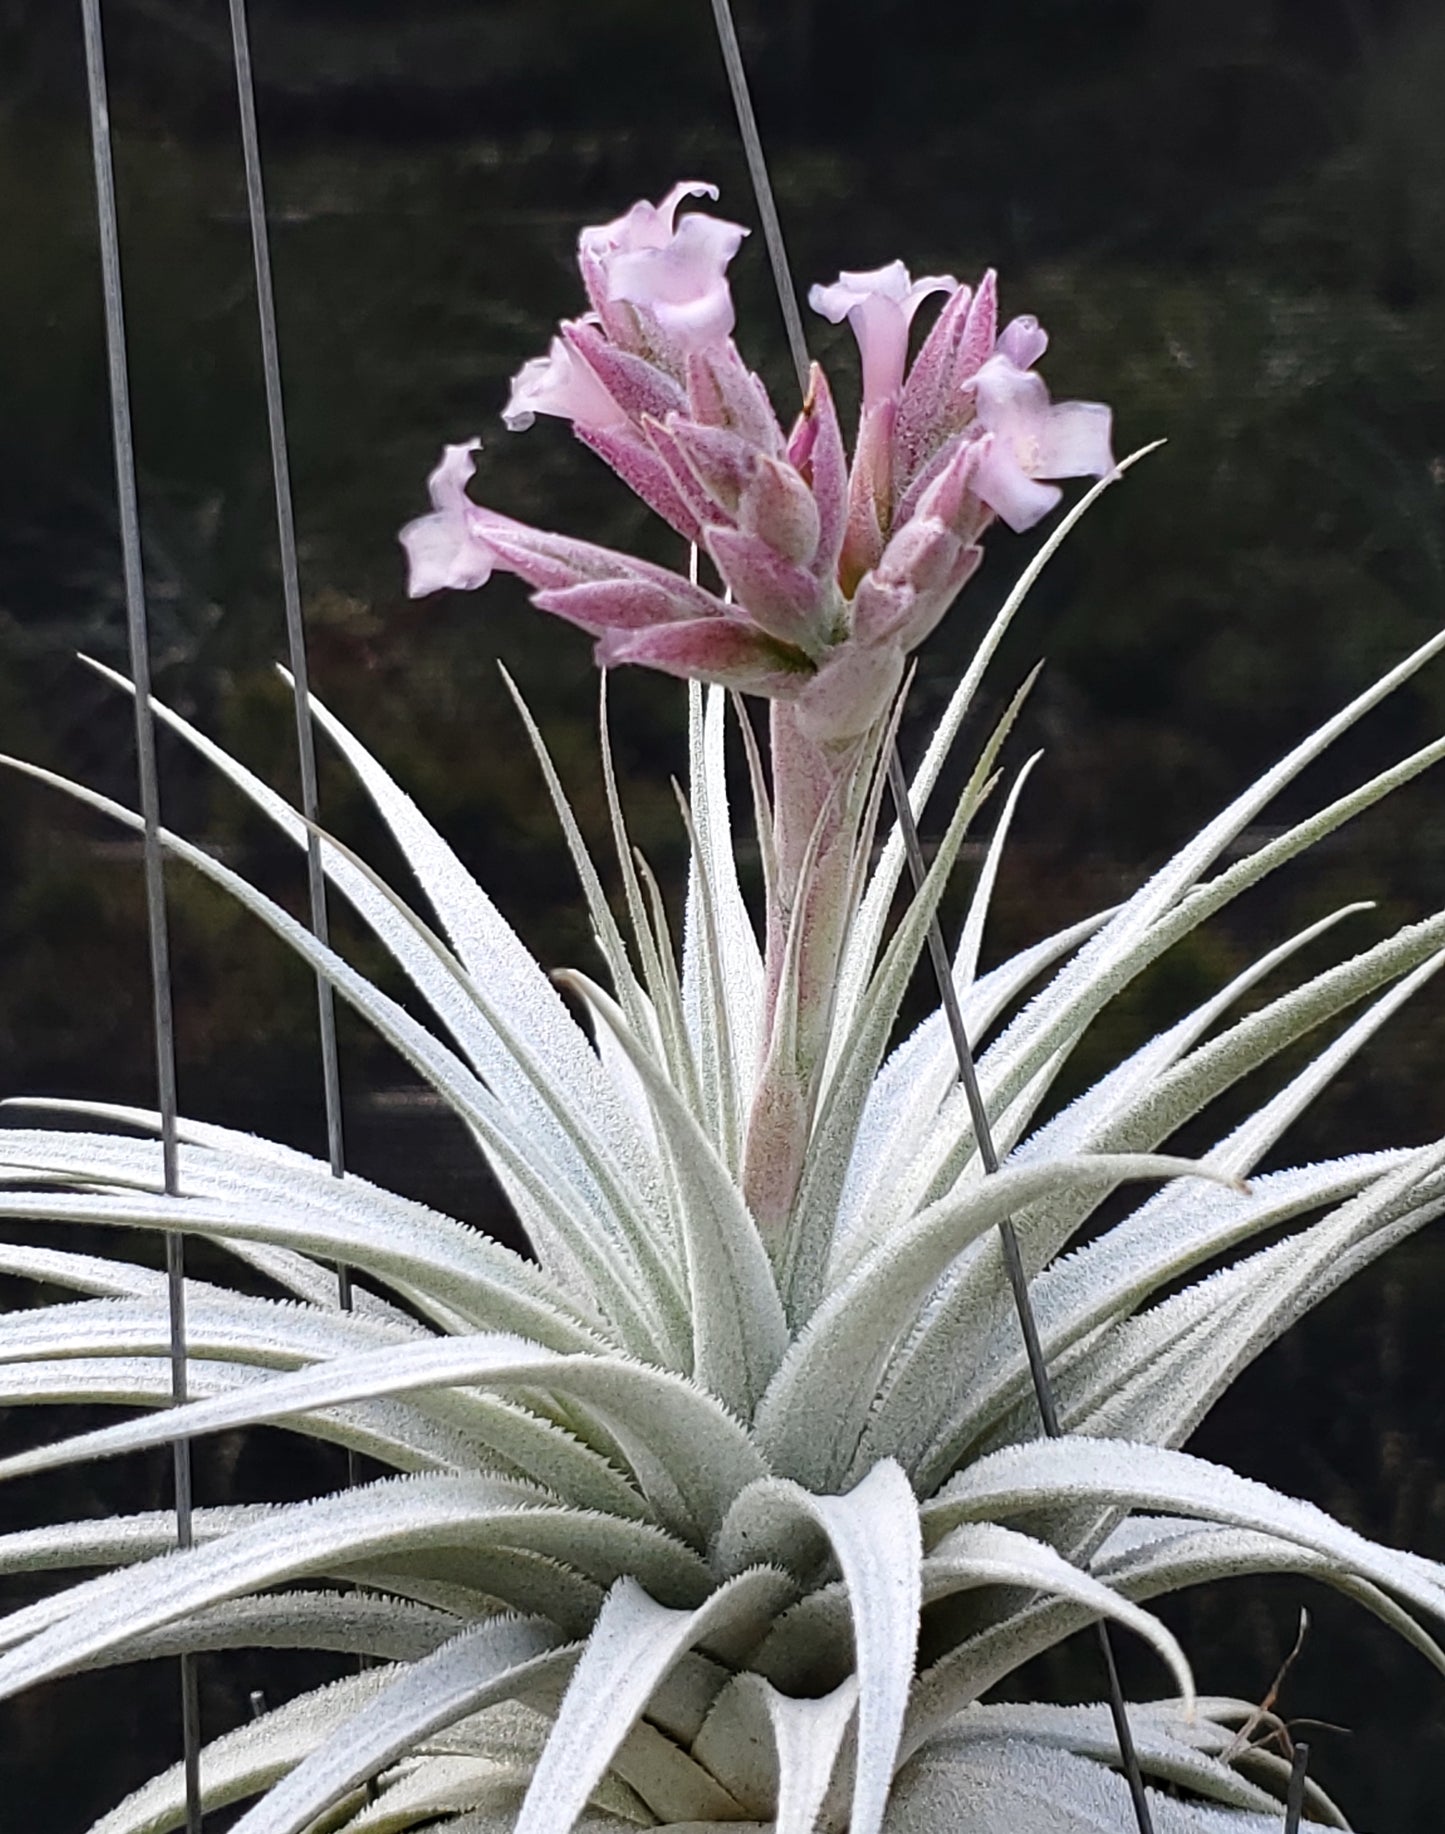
(295,639)
(159,942)
(290,584)
(732,57)
(937,949)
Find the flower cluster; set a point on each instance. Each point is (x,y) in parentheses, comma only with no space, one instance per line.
(831,573)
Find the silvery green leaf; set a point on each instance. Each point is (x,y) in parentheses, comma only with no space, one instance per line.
(738,1328)
(502,1820)
(370,1624)
(77,1272)
(927,1415)
(431,1792)
(241,1329)
(855,969)
(872,1534)
(395,1435)
(1137,1371)
(1109,951)
(908,1091)
(604,925)
(1022,1786)
(484,1663)
(69,1159)
(1150,1112)
(417,1791)
(986,1554)
(509,1020)
(1168,907)
(418,1253)
(407,1517)
(1048,1475)
(815,1410)
(492,952)
(970,942)
(728,976)
(634,1643)
(777,1753)
(706,1014)
(1147,1556)
(1180,1093)
(655,1010)
(604,1258)
(114,1540)
(689,1456)
(1080,1126)
(248,1760)
(1175,1746)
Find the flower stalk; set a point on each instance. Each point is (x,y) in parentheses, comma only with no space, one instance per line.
(829,573)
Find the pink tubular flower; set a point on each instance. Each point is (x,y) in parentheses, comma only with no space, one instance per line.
(659,287)
(1028,439)
(831,574)
(879,306)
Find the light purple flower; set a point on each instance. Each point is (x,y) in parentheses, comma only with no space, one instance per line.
(638,611)
(879,306)
(440,551)
(1030,439)
(832,573)
(659,286)
(562,383)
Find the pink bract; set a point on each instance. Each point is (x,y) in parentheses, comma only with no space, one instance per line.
(829,573)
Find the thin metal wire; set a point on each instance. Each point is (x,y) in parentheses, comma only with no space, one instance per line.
(295,628)
(732,57)
(1013,1261)
(1295,1801)
(290,578)
(937,949)
(159,942)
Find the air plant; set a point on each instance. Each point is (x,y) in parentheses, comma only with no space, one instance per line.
(731,1506)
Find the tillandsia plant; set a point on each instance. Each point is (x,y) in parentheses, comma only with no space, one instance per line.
(731,1507)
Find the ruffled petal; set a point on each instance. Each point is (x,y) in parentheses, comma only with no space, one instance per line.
(442,549)
(1003,484)
(1012,402)
(1023,341)
(682,286)
(561,383)
(1075,442)
(1042,441)
(879,304)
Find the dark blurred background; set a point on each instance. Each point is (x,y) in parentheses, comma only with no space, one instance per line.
(1231,216)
